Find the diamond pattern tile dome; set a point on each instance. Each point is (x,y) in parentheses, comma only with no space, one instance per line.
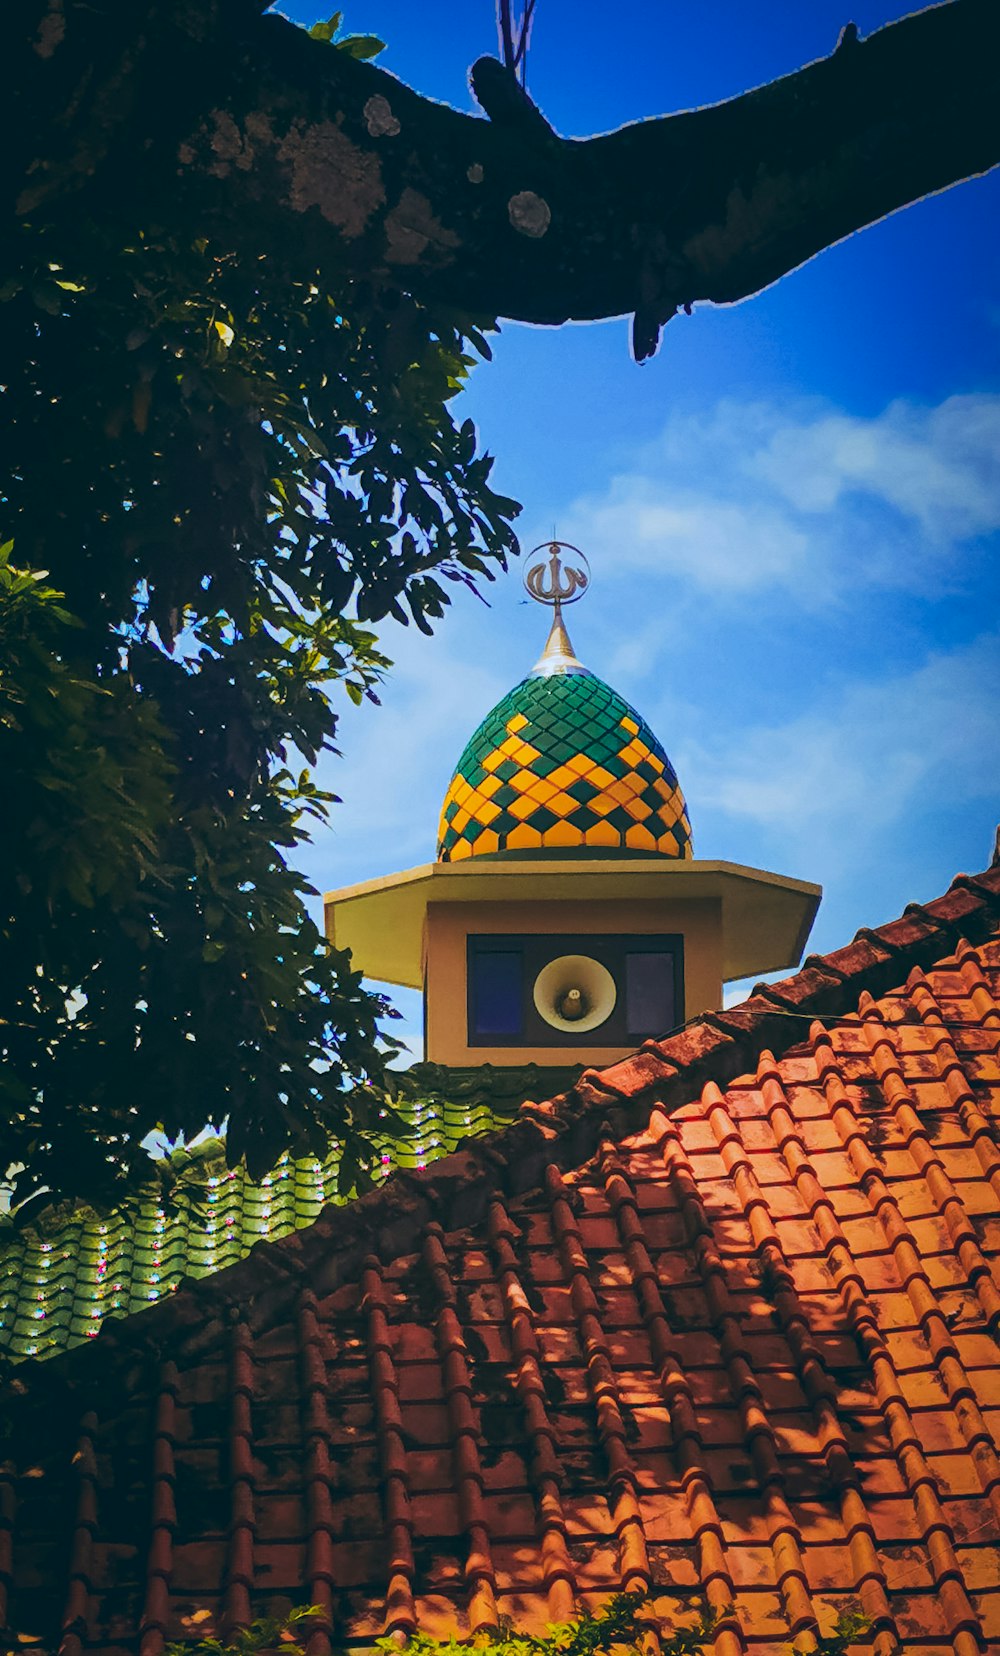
(563,763)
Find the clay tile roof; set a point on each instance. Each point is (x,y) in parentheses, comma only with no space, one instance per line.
(721,1321)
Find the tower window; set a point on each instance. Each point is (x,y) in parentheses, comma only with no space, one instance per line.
(496,992)
(572,990)
(649,992)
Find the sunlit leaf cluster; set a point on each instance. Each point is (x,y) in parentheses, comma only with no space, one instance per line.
(627,1624)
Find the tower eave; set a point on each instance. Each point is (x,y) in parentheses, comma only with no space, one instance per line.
(766,917)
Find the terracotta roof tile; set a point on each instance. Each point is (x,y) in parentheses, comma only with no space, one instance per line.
(722,1321)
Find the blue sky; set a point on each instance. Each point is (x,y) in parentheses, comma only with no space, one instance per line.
(792,514)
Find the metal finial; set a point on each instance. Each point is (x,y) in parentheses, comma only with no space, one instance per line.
(568,578)
(556,580)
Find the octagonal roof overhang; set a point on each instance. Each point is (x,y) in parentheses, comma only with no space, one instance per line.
(766,918)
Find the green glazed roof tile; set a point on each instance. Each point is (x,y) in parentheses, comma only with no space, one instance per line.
(58,1282)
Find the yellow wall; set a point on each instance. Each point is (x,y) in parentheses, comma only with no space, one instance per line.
(449,925)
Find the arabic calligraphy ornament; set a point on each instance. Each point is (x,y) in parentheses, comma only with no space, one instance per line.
(556,579)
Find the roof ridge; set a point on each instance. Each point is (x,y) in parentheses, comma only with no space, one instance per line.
(566,1130)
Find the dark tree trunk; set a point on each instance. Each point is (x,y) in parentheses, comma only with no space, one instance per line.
(255,122)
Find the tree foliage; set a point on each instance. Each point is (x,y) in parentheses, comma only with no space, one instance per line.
(222,468)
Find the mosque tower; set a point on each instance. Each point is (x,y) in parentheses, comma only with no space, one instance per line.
(566,918)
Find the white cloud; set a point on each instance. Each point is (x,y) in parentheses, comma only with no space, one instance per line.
(829,785)
(807,500)
(939,467)
(644,524)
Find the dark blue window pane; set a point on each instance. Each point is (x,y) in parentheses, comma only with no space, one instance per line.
(497,998)
(649,993)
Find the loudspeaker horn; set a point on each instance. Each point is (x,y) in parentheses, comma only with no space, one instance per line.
(574,993)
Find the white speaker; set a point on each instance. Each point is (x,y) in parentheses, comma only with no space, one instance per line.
(574,993)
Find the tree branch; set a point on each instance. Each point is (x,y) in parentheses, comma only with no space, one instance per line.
(252,119)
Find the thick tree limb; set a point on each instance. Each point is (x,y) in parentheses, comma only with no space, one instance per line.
(500,216)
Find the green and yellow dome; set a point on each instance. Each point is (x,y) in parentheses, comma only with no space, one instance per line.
(563,764)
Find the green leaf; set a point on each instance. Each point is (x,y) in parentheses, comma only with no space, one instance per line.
(361,46)
(327,30)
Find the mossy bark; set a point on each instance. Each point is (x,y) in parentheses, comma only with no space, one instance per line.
(499,215)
